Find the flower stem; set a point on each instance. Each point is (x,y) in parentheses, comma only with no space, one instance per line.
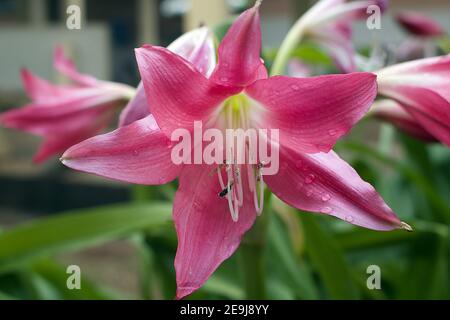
(253,250)
(288,45)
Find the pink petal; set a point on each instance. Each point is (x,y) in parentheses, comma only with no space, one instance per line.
(206,233)
(68,68)
(240,50)
(395,113)
(419,24)
(178,94)
(56,120)
(431,73)
(197,47)
(55,145)
(429,108)
(136,109)
(313,113)
(40,90)
(326,184)
(138,153)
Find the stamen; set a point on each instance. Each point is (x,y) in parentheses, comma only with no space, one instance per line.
(261,192)
(219,174)
(255,194)
(240,192)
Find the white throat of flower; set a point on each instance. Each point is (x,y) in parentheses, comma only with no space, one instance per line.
(236,113)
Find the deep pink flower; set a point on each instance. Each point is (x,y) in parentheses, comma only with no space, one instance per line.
(311,113)
(197,47)
(65,114)
(328,23)
(419,24)
(422,88)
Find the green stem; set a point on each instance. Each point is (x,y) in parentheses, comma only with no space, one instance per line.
(252,250)
(289,44)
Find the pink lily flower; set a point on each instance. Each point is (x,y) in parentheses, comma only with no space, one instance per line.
(197,47)
(65,114)
(393,112)
(420,25)
(217,203)
(328,23)
(422,88)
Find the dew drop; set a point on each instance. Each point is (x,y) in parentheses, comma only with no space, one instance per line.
(224,79)
(332,132)
(309,178)
(326,197)
(295,87)
(135,153)
(349,219)
(326,210)
(309,193)
(299,186)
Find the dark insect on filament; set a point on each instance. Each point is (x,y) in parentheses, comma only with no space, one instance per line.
(224,192)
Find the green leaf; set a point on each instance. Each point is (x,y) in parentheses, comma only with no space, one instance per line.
(76,229)
(295,274)
(328,260)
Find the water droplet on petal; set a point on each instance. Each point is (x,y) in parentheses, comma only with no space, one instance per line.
(224,79)
(295,87)
(309,193)
(300,186)
(326,210)
(332,132)
(326,197)
(135,153)
(309,178)
(349,219)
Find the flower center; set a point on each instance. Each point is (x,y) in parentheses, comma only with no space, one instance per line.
(236,114)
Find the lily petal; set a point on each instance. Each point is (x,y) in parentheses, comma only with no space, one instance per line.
(430,109)
(239,51)
(325,183)
(206,233)
(393,112)
(138,153)
(79,129)
(197,47)
(136,109)
(313,113)
(68,68)
(177,92)
(431,73)
(41,90)
(419,24)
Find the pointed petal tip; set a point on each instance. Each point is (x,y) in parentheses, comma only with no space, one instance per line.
(406,227)
(258,4)
(183,292)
